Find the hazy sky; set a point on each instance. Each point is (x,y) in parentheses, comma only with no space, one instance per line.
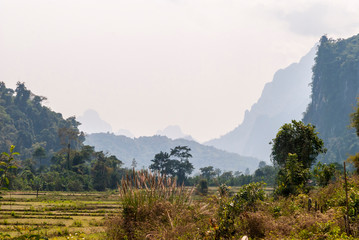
(146,64)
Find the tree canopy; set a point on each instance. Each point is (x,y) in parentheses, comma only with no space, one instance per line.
(176,163)
(296,138)
(335,88)
(27,124)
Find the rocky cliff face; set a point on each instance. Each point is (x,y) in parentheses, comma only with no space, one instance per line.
(282,100)
(335,89)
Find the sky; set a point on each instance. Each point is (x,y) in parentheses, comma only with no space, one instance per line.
(146,64)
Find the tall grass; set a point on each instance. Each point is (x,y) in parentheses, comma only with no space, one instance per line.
(144,187)
(156,207)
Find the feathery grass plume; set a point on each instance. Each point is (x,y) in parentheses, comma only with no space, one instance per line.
(154,206)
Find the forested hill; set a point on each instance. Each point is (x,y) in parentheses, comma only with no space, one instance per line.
(143,150)
(335,89)
(282,100)
(27,124)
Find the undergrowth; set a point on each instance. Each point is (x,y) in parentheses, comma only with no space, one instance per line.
(154,207)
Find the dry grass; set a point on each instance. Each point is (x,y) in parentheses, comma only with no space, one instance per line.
(155,207)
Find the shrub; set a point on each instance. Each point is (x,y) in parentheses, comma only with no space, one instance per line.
(223,191)
(202,187)
(323,173)
(292,178)
(76,223)
(231,209)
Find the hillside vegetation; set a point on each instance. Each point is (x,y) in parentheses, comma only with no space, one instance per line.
(26,123)
(335,89)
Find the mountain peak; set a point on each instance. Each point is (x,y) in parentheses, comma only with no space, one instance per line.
(174,132)
(283,99)
(91,122)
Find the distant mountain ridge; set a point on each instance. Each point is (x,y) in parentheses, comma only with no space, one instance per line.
(174,132)
(282,100)
(91,122)
(143,149)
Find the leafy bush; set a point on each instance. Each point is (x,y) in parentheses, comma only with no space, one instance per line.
(292,178)
(323,173)
(231,208)
(223,191)
(6,164)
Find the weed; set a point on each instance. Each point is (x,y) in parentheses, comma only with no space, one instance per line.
(76,223)
(96,223)
(62,232)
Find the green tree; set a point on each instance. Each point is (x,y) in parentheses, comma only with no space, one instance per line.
(134,163)
(39,154)
(265,173)
(292,177)
(6,164)
(37,184)
(354,122)
(100,172)
(161,163)
(294,150)
(181,163)
(202,187)
(323,173)
(354,117)
(208,172)
(176,163)
(296,138)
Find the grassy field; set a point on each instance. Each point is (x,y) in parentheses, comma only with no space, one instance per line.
(57,215)
(62,215)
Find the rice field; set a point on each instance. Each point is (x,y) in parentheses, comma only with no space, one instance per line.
(62,215)
(57,215)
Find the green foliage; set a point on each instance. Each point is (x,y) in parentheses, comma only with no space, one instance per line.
(298,138)
(161,163)
(265,173)
(294,150)
(355,118)
(208,172)
(37,184)
(223,191)
(231,208)
(6,164)
(26,123)
(176,163)
(354,159)
(292,177)
(323,173)
(335,89)
(202,187)
(250,194)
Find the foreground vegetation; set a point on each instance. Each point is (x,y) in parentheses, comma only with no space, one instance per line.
(167,213)
(171,213)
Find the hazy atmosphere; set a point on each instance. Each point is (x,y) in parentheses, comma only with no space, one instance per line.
(145,65)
